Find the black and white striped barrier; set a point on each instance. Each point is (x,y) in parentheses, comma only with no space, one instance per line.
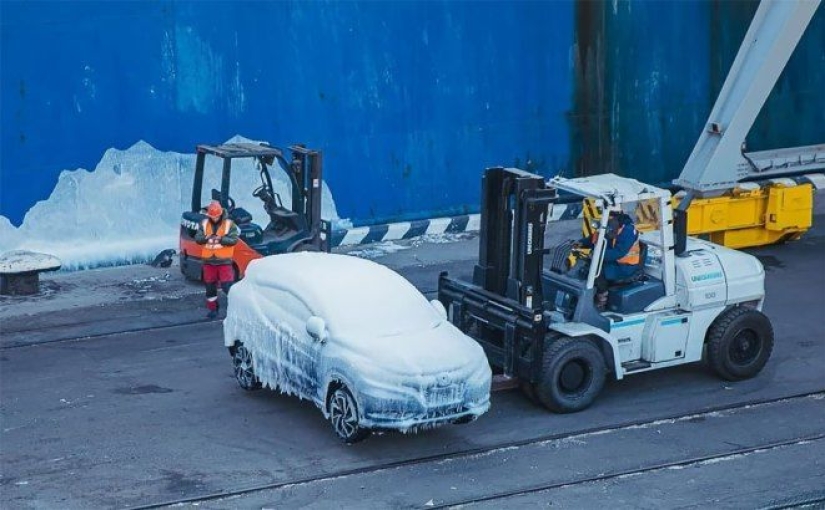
(404,230)
(410,229)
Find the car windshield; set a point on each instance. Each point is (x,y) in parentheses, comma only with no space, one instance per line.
(381,308)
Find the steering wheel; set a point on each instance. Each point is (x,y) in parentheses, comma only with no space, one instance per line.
(581,253)
(579,260)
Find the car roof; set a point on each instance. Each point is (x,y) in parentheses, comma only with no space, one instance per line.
(322,279)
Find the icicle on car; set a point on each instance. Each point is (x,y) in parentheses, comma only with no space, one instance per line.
(357,339)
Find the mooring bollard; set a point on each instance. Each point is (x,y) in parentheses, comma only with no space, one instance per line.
(20,271)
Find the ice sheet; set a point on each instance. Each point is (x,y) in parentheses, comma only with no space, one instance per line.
(128,209)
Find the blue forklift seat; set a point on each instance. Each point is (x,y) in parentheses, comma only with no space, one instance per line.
(635,297)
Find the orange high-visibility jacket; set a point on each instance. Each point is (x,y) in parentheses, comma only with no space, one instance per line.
(215,252)
(633,254)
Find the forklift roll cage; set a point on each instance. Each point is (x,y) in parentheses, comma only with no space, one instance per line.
(298,228)
(303,170)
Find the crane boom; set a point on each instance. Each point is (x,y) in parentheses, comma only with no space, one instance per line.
(717,162)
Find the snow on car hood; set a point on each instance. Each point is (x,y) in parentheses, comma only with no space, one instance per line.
(425,352)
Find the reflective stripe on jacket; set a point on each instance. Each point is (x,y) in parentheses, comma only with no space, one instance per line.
(215,251)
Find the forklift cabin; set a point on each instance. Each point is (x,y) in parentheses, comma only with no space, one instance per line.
(298,228)
(515,307)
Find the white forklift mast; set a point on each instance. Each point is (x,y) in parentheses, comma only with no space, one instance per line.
(740,199)
(717,162)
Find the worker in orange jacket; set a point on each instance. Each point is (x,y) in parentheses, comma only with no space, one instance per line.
(218,235)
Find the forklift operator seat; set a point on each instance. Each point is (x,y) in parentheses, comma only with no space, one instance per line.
(284,220)
(240,216)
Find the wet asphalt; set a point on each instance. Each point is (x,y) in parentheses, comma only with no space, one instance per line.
(129,419)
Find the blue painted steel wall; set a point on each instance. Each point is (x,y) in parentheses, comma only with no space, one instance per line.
(648,72)
(408,100)
(794,114)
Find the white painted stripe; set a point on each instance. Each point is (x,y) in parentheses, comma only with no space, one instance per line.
(438,225)
(818,180)
(355,236)
(474,225)
(396,231)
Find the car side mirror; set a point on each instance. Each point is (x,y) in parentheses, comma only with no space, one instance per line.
(439,308)
(317,328)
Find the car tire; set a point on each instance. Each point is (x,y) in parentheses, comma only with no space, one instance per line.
(244,368)
(572,376)
(464,420)
(344,417)
(739,343)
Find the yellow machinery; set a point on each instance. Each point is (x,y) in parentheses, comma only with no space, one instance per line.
(753,215)
(749,215)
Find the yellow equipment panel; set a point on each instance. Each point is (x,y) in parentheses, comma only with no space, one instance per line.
(740,219)
(747,218)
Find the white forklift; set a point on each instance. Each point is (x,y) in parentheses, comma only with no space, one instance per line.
(688,299)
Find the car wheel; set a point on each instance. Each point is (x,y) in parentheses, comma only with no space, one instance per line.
(244,369)
(343,414)
(572,376)
(740,342)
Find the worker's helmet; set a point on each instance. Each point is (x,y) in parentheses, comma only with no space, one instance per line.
(214,211)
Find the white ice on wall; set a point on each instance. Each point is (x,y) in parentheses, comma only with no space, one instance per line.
(129,208)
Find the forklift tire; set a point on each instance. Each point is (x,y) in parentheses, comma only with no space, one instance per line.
(739,343)
(572,376)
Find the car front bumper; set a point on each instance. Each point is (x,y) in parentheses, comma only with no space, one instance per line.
(428,417)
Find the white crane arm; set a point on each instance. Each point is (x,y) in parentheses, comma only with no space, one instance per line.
(716,162)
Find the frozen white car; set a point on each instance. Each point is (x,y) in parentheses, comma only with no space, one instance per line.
(357,339)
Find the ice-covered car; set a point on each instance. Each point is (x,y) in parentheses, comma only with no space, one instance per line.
(357,339)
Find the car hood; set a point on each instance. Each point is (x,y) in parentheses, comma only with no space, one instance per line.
(434,351)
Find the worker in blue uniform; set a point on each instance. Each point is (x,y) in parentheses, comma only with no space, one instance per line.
(622,256)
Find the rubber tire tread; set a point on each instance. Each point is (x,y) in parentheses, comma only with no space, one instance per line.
(722,331)
(560,351)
